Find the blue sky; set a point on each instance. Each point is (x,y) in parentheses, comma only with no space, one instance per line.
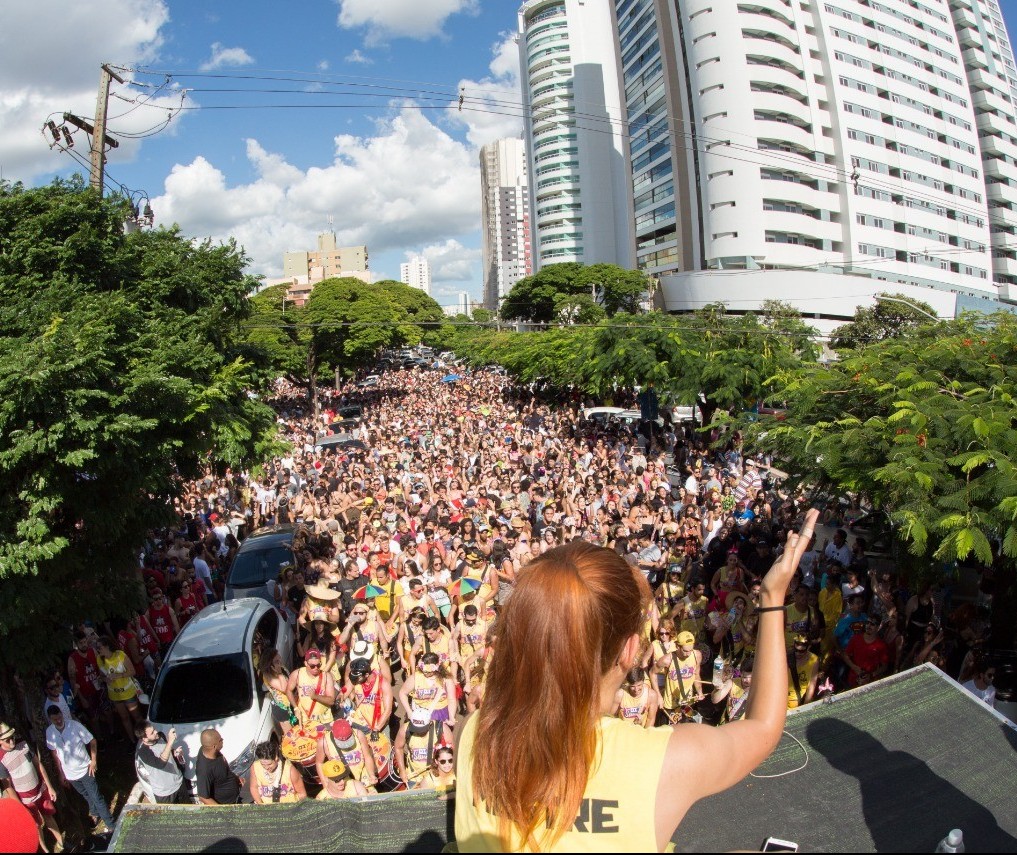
(400,179)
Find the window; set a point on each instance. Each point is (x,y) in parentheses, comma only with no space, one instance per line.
(203,689)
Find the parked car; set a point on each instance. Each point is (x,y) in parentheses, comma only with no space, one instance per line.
(603,415)
(209,679)
(369,381)
(340,440)
(260,558)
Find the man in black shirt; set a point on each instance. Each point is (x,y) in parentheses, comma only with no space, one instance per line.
(215,783)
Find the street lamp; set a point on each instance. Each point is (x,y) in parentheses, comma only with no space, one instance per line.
(909,304)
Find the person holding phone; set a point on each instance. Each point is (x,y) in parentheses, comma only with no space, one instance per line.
(567,775)
(158,760)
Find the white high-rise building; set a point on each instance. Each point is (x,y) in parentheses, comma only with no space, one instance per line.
(575,141)
(416,273)
(505,218)
(821,151)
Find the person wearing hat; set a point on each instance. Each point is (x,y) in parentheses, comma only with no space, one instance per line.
(800,618)
(728,626)
(364,632)
(320,603)
(368,691)
(415,744)
(352,749)
(30,784)
(683,685)
(314,691)
(803,666)
(337,782)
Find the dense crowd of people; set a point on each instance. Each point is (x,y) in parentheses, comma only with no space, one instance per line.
(407,542)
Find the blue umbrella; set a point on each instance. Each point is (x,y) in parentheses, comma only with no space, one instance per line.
(450,378)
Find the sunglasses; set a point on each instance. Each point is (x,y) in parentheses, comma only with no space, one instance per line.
(447,762)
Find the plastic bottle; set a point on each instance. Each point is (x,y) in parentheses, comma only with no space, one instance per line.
(953,842)
(718,672)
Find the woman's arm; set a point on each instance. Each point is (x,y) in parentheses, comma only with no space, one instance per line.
(725,755)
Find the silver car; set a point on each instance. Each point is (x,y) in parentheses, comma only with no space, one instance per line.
(210,678)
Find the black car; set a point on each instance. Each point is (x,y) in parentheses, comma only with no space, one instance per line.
(261,557)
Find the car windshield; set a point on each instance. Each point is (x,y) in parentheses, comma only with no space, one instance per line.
(256,566)
(202,690)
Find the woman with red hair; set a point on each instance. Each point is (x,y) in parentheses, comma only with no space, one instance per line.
(543,765)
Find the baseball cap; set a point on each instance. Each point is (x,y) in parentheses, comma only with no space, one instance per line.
(685,638)
(343,734)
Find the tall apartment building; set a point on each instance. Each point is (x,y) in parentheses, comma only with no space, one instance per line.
(416,273)
(505,218)
(820,151)
(332,260)
(574,138)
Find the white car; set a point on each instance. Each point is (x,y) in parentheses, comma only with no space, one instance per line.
(603,415)
(209,679)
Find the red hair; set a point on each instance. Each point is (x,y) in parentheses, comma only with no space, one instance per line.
(571,612)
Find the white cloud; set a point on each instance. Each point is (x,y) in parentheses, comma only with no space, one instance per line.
(359,58)
(492,107)
(50,69)
(224,56)
(450,261)
(409,185)
(323,65)
(389,19)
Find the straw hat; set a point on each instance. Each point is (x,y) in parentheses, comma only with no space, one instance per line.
(322,593)
(736,596)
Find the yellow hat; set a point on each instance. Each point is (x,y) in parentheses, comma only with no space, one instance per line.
(334,768)
(685,638)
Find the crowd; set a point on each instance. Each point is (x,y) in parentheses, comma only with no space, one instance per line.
(407,543)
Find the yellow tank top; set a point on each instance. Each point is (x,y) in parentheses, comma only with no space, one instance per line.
(385,604)
(354,758)
(311,711)
(796,622)
(804,672)
(418,749)
(471,638)
(428,692)
(266,782)
(635,709)
(120,686)
(673,696)
(618,810)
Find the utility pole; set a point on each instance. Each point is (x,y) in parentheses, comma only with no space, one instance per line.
(99,135)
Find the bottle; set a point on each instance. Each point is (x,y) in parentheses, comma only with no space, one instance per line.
(953,842)
(718,672)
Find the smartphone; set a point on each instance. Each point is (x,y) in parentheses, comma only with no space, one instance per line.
(775,844)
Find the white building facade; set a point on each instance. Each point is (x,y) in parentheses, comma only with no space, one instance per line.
(505,218)
(416,273)
(867,142)
(575,140)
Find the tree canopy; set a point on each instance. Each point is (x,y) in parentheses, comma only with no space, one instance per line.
(893,315)
(923,425)
(120,375)
(541,298)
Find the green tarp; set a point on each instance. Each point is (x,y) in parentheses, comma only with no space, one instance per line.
(890,768)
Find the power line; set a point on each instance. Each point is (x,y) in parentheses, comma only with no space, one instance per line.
(516,109)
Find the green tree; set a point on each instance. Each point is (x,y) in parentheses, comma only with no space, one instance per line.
(119,377)
(719,361)
(275,339)
(533,299)
(924,426)
(893,315)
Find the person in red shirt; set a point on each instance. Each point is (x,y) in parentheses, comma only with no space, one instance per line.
(163,620)
(867,655)
(83,673)
(187,604)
